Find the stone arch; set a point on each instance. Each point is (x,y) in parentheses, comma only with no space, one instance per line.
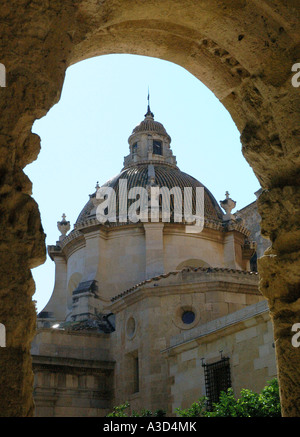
(192,263)
(243,51)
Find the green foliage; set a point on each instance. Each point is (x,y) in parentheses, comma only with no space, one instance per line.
(159,413)
(142,413)
(246,406)
(197,409)
(249,404)
(119,411)
(270,400)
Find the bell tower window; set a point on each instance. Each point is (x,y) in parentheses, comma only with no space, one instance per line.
(134,148)
(157,147)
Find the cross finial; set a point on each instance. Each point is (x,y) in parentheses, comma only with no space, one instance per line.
(228,204)
(63,227)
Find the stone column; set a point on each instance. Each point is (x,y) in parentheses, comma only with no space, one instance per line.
(279,271)
(154,249)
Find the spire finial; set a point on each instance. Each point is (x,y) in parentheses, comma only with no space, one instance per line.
(228,204)
(149,113)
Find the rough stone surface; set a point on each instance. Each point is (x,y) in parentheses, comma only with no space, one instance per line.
(242,50)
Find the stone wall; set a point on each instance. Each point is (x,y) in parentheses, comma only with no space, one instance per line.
(73,374)
(252,221)
(149,316)
(245,337)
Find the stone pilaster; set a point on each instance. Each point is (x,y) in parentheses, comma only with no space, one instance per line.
(154,249)
(92,251)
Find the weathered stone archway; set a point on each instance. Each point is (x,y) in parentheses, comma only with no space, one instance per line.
(243,50)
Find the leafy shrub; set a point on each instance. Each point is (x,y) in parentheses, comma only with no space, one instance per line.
(197,409)
(249,404)
(119,411)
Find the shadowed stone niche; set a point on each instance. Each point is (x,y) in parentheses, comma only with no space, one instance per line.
(243,51)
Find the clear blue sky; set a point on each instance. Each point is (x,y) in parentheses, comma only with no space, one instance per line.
(84,138)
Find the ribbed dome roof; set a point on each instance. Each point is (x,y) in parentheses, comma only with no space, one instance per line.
(150,125)
(165,176)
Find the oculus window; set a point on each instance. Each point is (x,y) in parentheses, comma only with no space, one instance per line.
(188,317)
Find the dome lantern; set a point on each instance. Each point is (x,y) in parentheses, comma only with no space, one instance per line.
(149,142)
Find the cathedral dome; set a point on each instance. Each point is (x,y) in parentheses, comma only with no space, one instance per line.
(151,163)
(165,176)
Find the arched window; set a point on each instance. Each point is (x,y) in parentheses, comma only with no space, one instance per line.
(194,263)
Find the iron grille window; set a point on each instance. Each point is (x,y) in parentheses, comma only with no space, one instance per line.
(217,379)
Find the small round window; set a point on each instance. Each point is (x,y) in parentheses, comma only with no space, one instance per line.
(188,317)
(130,327)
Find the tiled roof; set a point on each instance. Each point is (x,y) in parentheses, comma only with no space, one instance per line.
(99,323)
(177,272)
